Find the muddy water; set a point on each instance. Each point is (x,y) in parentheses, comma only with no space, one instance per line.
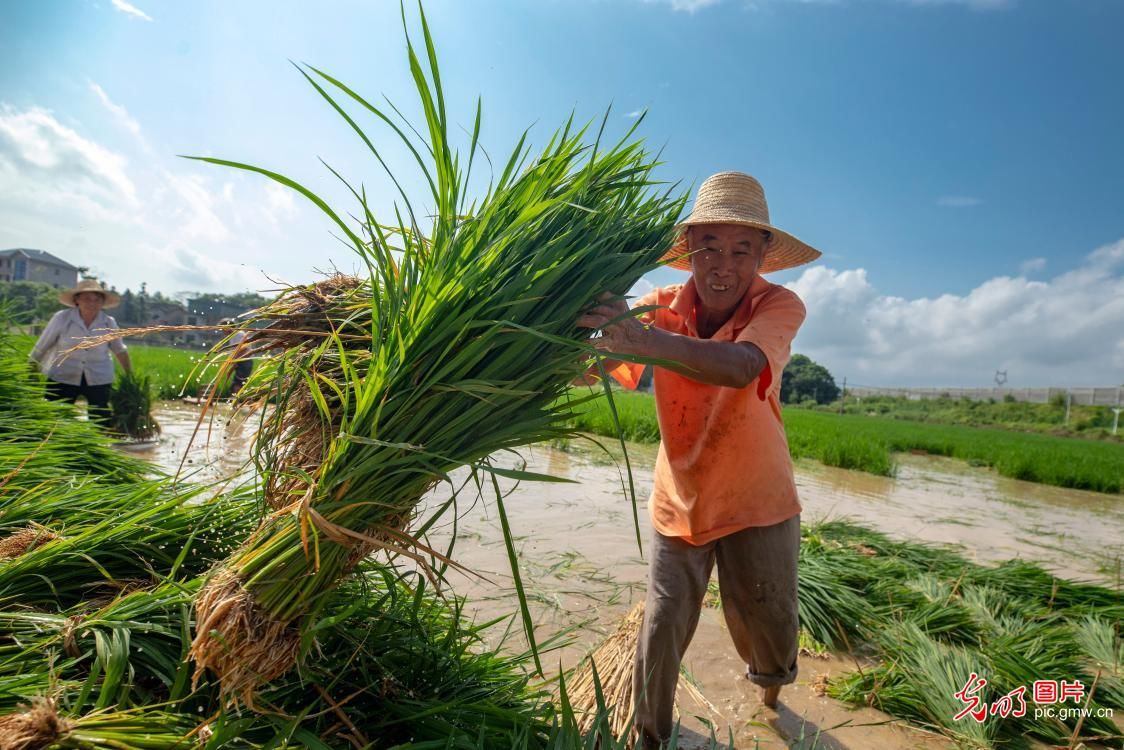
(583,571)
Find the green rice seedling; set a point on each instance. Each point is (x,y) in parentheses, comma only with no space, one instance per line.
(42,725)
(131,404)
(460,343)
(920,683)
(55,502)
(160,532)
(127,653)
(1024,651)
(831,611)
(1102,644)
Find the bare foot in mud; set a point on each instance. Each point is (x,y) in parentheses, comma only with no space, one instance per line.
(769,695)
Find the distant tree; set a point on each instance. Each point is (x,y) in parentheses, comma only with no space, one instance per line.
(248,300)
(805,379)
(30,301)
(127,312)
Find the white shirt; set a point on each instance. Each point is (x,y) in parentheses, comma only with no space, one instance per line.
(65,331)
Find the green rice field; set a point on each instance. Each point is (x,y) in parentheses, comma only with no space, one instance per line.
(171,370)
(866,443)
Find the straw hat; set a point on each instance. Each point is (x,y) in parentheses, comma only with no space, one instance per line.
(112,299)
(737,198)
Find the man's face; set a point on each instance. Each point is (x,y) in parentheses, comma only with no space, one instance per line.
(724,262)
(89,303)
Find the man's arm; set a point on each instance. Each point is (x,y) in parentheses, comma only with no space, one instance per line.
(730,364)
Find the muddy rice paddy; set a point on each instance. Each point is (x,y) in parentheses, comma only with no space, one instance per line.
(583,571)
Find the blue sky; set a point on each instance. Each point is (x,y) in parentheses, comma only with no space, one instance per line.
(958,162)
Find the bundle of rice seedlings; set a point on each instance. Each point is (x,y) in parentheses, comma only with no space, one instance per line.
(58,502)
(163,530)
(459,344)
(40,725)
(128,652)
(397,664)
(131,404)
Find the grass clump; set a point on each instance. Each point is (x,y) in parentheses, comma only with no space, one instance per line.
(130,402)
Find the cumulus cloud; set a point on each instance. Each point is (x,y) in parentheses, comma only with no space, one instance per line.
(1068,330)
(1032,265)
(43,163)
(131,10)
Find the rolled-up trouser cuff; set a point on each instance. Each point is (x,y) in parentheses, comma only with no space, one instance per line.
(772,679)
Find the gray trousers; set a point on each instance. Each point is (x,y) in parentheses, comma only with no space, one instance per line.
(757,578)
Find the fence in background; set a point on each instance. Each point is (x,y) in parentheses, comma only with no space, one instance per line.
(1100,396)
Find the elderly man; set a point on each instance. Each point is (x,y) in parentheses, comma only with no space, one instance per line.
(723,491)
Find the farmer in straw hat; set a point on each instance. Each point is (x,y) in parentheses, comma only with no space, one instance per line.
(723,488)
(86,373)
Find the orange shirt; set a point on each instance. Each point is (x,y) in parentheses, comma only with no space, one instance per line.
(723,462)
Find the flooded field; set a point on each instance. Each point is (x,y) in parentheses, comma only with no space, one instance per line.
(583,571)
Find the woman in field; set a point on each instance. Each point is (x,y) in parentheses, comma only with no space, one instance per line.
(85,373)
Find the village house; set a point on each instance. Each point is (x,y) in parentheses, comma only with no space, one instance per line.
(23,264)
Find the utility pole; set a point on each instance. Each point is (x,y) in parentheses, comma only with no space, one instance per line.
(1116,418)
(1068,399)
(843,395)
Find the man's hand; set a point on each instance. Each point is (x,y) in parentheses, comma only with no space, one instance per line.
(626,336)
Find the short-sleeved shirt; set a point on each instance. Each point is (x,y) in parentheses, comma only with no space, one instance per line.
(723,462)
(67,330)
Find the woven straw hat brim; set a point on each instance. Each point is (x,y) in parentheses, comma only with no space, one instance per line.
(738,198)
(112,299)
(783,251)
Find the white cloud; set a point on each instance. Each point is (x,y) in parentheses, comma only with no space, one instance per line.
(1032,265)
(193,205)
(196,270)
(119,113)
(1068,330)
(634,114)
(958,201)
(279,203)
(43,162)
(640,288)
(131,10)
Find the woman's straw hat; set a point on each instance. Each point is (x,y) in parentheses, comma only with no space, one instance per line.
(112,299)
(737,198)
